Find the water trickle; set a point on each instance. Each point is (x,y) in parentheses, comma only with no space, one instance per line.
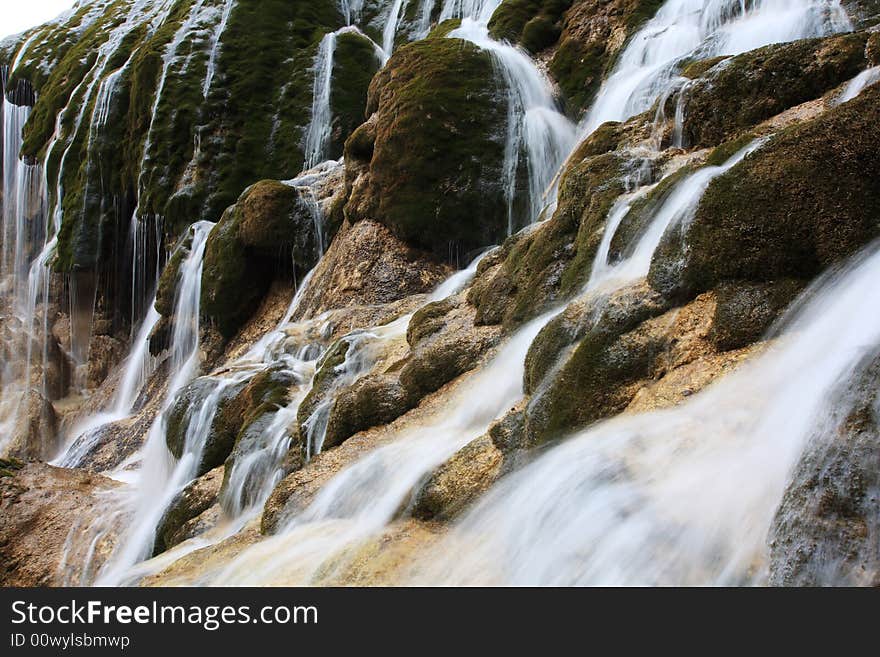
(319,132)
(858,84)
(683,30)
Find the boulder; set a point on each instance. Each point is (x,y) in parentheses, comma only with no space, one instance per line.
(51,516)
(803,201)
(429,164)
(752,87)
(269,232)
(197,497)
(826,530)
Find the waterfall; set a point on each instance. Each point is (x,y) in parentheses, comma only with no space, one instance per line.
(536,132)
(215,46)
(678,208)
(159,478)
(684,30)
(320,129)
(395,13)
(683,496)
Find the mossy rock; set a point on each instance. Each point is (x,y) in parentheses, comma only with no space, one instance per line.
(597,350)
(533,24)
(268,233)
(872,50)
(594,33)
(825,532)
(435,175)
(698,68)
(371,401)
(757,85)
(355,62)
(166,291)
(224,425)
(196,497)
(744,312)
(554,261)
(638,217)
(805,200)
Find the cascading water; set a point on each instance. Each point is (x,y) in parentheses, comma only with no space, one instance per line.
(537,131)
(684,30)
(159,478)
(683,496)
(859,83)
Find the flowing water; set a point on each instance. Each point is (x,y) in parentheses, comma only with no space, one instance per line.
(683,496)
(618,498)
(686,30)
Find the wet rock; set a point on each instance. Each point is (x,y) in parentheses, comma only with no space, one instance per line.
(105,353)
(367,265)
(594,33)
(269,232)
(552,261)
(35,435)
(744,312)
(826,530)
(752,87)
(41,507)
(197,497)
(802,202)
(619,354)
(225,424)
(459,481)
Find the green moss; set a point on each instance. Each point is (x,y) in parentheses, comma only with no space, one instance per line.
(534,24)
(554,261)
(436,165)
(805,200)
(699,67)
(589,45)
(268,233)
(443,30)
(758,85)
(720,154)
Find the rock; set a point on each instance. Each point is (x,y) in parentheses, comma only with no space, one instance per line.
(534,24)
(802,202)
(826,530)
(744,312)
(105,353)
(269,231)
(552,261)
(619,354)
(367,265)
(436,166)
(197,497)
(594,33)
(752,87)
(459,481)
(35,435)
(225,425)
(49,517)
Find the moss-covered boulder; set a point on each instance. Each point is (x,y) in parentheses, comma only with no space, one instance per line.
(196,498)
(594,32)
(431,162)
(533,24)
(225,422)
(744,312)
(805,200)
(269,232)
(745,90)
